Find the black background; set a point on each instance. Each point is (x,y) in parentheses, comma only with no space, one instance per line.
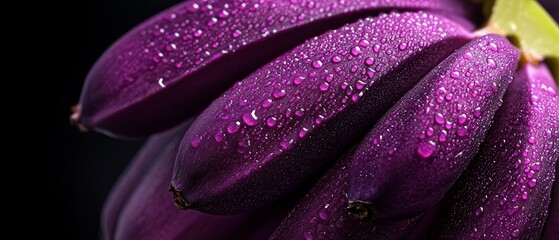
(83,167)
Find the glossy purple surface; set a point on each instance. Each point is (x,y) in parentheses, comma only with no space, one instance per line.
(149,211)
(273,130)
(551,228)
(419,148)
(322,214)
(133,175)
(175,63)
(505,193)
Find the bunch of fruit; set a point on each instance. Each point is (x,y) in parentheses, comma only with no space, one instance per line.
(333,119)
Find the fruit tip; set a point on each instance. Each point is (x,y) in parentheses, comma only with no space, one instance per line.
(180,202)
(362,211)
(75,119)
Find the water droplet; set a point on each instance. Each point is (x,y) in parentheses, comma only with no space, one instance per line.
(161,83)
(369,61)
(355,51)
(250,119)
(317,64)
(439,118)
(193,7)
(442,136)
(493,47)
(516,233)
(279,93)
(303,132)
(271,121)
(267,103)
(336,59)
(430,131)
(376,48)
(308,236)
(455,75)
(532,140)
(298,80)
(534,99)
(195,142)
(403,46)
(426,149)
(364,43)
(479,211)
(477,112)
(491,63)
(441,90)
(532,183)
(370,73)
(284,144)
(237,33)
(360,85)
(324,87)
(219,136)
(224,14)
(319,119)
(197,33)
(462,118)
(468,55)
(356,97)
(233,127)
(329,77)
(536,166)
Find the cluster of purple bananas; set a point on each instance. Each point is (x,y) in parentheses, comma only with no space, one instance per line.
(343,119)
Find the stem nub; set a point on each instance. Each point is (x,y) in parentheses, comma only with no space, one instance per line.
(180,202)
(362,211)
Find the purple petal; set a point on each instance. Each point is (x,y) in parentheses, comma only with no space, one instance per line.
(275,129)
(419,148)
(172,65)
(505,193)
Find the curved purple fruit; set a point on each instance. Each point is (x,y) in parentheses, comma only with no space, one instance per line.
(505,193)
(273,130)
(322,214)
(551,229)
(134,173)
(172,65)
(148,213)
(419,148)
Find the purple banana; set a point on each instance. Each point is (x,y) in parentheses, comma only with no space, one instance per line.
(322,214)
(276,128)
(418,149)
(172,65)
(505,193)
(551,229)
(148,213)
(134,173)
